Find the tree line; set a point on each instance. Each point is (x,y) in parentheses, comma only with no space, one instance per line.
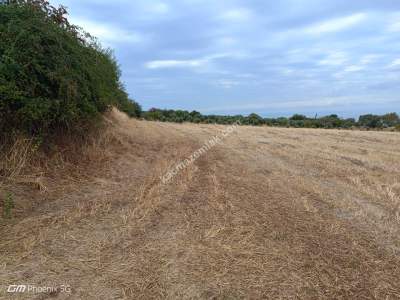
(390,120)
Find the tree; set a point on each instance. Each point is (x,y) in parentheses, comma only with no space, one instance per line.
(390,120)
(331,121)
(130,107)
(348,123)
(370,121)
(282,121)
(297,117)
(254,119)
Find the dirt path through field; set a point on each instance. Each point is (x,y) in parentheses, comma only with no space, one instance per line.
(269,213)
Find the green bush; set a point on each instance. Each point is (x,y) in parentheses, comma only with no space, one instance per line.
(52,74)
(297,117)
(8,205)
(370,121)
(130,107)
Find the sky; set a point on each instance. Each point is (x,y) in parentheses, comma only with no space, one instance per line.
(274,58)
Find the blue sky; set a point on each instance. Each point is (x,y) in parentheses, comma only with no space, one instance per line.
(237,57)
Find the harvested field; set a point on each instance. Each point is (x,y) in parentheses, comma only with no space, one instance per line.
(268,213)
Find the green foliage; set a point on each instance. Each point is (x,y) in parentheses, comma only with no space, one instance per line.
(8,205)
(397,127)
(298,121)
(376,121)
(390,120)
(130,107)
(370,121)
(332,121)
(298,117)
(52,74)
(254,119)
(349,123)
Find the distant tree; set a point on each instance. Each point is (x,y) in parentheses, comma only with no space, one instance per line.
(297,117)
(130,107)
(153,114)
(181,116)
(282,121)
(348,123)
(195,114)
(390,120)
(269,121)
(331,121)
(254,119)
(297,123)
(370,121)
(309,123)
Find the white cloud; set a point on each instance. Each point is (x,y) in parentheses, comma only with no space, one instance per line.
(342,59)
(274,105)
(188,63)
(334,59)
(226,42)
(158,8)
(335,25)
(370,58)
(237,15)
(244,75)
(393,22)
(226,83)
(163,64)
(394,27)
(395,64)
(287,71)
(107,33)
(149,11)
(353,68)
(326,102)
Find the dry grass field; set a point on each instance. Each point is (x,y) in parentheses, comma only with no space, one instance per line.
(269,213)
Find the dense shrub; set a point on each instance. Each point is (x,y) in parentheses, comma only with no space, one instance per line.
(376,121)
(130,107)
(370,121)
(254,119)
(390,120)
(298,117)
(52,74)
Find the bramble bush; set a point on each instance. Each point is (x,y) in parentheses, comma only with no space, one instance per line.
(53,75)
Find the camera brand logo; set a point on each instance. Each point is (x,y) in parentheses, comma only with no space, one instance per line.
(13,288)
(22,288)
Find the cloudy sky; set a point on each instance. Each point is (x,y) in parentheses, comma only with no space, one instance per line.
(242,56)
